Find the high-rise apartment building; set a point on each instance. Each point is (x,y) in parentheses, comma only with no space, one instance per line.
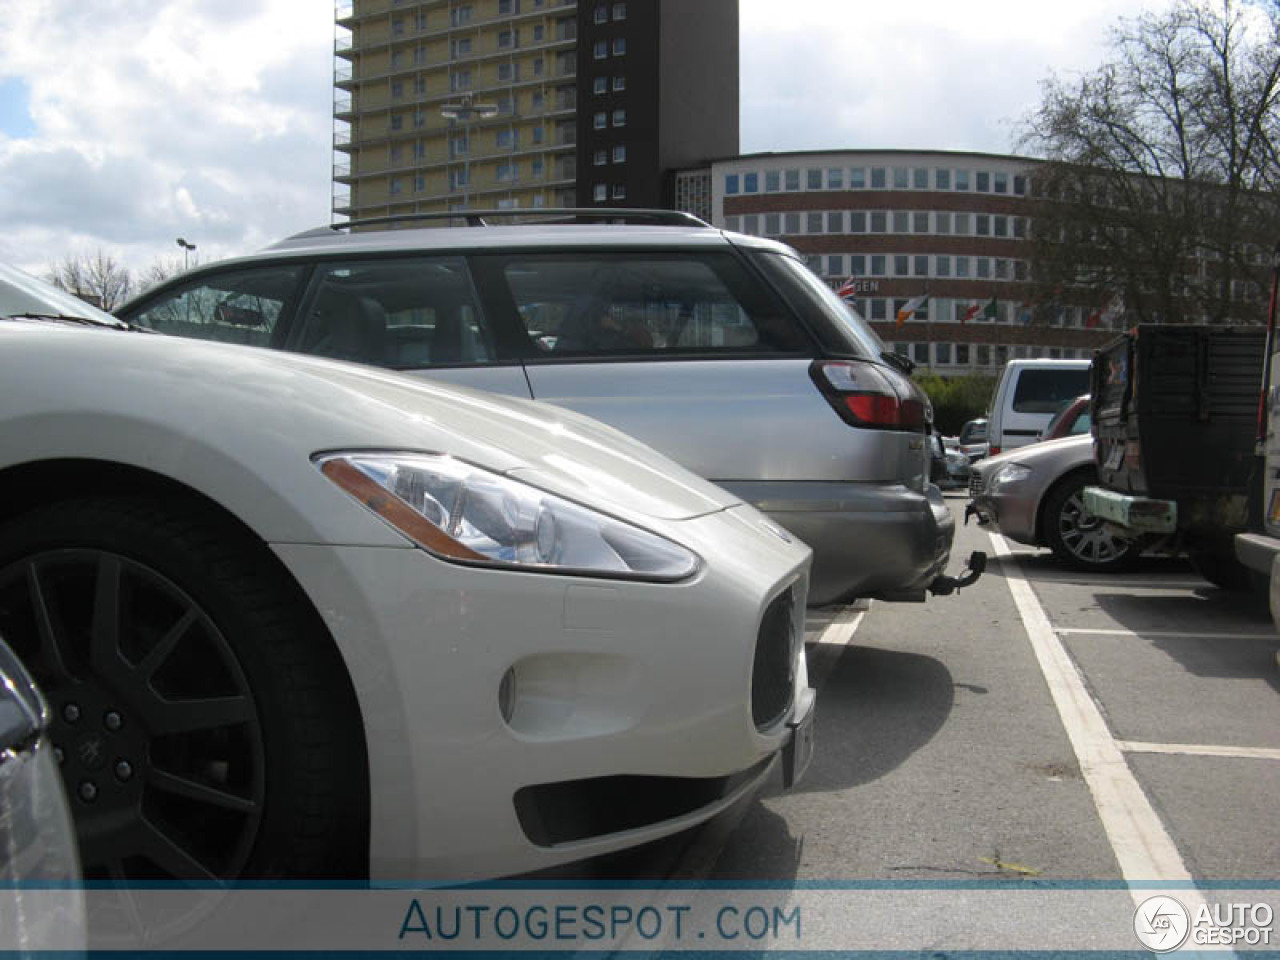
(449,104)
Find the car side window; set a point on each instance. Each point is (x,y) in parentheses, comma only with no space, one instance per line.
(646,304)
(242,306)
(396,313)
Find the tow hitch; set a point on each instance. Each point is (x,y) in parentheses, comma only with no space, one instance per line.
(945,585)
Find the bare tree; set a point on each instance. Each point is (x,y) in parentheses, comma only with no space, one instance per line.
(161,269)
(98,279)
(1161,167)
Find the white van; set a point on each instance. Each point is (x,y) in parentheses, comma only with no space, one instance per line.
(1028,394)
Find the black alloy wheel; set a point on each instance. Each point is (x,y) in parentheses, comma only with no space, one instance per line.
(194,732)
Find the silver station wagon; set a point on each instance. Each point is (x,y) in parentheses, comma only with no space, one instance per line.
(720,350)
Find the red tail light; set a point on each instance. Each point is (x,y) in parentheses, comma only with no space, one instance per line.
(867,395)
(992,451)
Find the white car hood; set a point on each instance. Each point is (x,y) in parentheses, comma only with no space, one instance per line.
(257,404)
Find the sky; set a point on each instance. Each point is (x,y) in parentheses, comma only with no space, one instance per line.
(125,124)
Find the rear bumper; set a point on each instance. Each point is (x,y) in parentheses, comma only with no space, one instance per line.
(1257,551)
(869,540)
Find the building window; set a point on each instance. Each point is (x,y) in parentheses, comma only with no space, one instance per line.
(771,181)
(813,223)
(962,181)
(601,193)
(1000,182)
(942,223)
(419,55)
(942,353)
(419,183)
(508,72)
(962,266)
(1001,225)
(857,179)
(619,11)
(857,221)
(942,266)
(877,265)
(620,83)
(396,185)
(419,119)
(459,178)
(942,179)
(600,158)
(962,354)
(835,178)
(835,266)
(600,120)
(507,39)
(619,46)
(791,180)
(751,183)
(539,67)
(835,221)
(601,13)
(460,47)
(508,7)
(396,152)
(1020,227)
(983,182)
(539,33)
(620,153)
(879,221)
(982,225)
(397,89)
(901,265)
(920,353)
(813,179)
(620,117)
(397,121)
(1002,269)
(900,221)
(1019,185)
(537,101)
(772,225)
(600,85)
(419,150)
(877,178)
(508,171)
(397,27)
(536,167)
(506,139)
(600,49)
(460,80)
(920,222)
(920,179)
(730,184)
(419,84)
(791,224)
(460,15)
(751,224)
(900,178)
(420,21)
(920,266)
(619,191)
(879,310)
(983,268)
(857,265)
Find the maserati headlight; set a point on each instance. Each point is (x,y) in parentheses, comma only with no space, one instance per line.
(465,513)
(1010,473)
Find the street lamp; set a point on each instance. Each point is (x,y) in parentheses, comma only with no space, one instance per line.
(465,110)
(187,249)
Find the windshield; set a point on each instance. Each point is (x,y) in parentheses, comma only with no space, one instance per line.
(23,295)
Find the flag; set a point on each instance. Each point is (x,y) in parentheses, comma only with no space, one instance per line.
(847,289)
(987,311)
(1092,320)
(910,307)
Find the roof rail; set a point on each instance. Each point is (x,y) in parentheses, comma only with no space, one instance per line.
(545,215)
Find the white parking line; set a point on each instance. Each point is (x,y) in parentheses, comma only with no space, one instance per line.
(1200,750)
(1163,634)
(1141,844)
(830,643)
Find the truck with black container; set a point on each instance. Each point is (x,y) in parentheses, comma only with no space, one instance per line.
(1174,410)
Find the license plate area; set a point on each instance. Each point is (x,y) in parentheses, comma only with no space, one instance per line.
(797,753)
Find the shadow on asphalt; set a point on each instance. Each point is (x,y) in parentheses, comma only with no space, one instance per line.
(1206,610)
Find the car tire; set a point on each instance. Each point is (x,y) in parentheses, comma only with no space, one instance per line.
(1221,568)
(1076,537)
(205,724)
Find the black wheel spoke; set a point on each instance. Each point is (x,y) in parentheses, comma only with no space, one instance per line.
(194,790)
(156,657)
(168,854)
(50,650)
(104,630)
(165,717)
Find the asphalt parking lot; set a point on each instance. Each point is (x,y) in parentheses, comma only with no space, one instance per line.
(1041,724)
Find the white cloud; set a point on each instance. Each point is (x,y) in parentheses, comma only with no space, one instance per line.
(211,119)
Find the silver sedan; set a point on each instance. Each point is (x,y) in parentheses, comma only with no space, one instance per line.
(1034,495)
